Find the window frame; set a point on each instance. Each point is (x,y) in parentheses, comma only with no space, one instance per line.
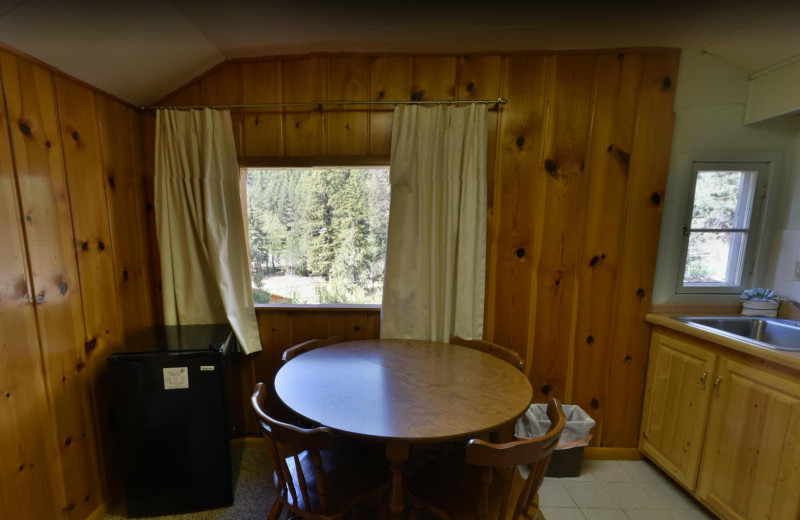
(753,230)
(316,161)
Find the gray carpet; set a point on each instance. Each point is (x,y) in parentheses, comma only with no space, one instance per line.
(254,493)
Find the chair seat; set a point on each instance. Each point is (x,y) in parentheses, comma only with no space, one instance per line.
(351,474)
(450,488)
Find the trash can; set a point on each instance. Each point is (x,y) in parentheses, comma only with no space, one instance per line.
(568,455)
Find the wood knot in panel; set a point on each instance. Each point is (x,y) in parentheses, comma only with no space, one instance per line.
(589,339)
(623,158)
(627,360)
(520,142)
(551,167)
(85,246)
(356,328)
(24,127)
(125,274)
(381,93)
(111,181)
(80,366)
(48,144)
(75,136)
(28,218)
(666,84)
(101,246)
(595,404)
(417,95)
(470,86)
(62,288)
(90,345)
(520,252)
(68,441)
(594,261)
(546,389)
(297,124)
(655,199)
(640,292)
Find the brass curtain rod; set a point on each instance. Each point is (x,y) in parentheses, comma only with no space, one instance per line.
(498,101)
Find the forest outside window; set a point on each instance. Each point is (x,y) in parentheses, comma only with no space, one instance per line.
(721,232)
(317,235)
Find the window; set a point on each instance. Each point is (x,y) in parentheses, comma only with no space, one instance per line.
(317,235)
(720,235)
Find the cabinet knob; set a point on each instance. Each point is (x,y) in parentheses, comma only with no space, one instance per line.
(703,379)
(716,385)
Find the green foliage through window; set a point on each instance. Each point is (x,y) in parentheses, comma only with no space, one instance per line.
(317,235)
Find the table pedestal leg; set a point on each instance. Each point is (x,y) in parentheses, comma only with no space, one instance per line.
(397,453)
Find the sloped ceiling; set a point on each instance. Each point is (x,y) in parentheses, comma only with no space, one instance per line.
(141,50)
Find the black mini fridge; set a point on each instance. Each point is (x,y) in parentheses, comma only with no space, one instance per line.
(170,419)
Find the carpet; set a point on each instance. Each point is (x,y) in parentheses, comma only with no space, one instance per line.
(254,494)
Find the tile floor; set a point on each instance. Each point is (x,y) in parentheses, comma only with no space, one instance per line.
(618,490)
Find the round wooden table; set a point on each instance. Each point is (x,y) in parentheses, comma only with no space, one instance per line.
(402,392)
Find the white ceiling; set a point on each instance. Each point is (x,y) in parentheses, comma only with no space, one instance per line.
(141,50)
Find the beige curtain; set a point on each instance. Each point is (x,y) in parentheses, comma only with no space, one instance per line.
(201,235)
(436,252)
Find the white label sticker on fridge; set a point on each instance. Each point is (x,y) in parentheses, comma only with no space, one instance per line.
(206,368)
(176,377)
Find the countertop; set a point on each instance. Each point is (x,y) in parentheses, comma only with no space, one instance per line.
(789,359)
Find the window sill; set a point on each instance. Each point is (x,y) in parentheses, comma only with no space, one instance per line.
(341,307)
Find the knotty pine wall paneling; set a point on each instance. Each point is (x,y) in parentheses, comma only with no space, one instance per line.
(76,277)
(577,166)
(38,154)
(28,478)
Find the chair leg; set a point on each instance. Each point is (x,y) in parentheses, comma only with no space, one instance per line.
(275,510)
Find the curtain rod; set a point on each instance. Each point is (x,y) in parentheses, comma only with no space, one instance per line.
(495,102)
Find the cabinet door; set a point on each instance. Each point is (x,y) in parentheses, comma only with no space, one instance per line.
(676,401)
(751,459)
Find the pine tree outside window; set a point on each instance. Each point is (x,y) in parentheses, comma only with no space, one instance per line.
(317,235)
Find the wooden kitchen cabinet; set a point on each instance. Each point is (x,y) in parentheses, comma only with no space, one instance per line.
(751,457)
(677,397)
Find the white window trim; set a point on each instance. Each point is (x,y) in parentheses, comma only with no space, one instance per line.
(754,230)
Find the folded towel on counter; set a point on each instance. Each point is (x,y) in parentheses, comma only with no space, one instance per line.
(762,295)
(762,313)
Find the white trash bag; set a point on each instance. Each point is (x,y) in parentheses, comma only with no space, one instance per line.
(535,423)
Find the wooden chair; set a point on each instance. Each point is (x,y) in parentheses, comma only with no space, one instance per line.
(483,481)
(503,353)
(292,352)
(317,476)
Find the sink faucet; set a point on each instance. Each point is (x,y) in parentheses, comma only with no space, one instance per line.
(790,302)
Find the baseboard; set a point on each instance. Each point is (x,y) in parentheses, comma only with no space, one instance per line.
(104,508)
(248,443)
(599,453)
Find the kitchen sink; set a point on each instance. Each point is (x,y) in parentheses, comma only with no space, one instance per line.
(771,333)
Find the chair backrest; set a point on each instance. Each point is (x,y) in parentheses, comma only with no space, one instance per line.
(508,456)
(311,344)
(285,440)
(503,353)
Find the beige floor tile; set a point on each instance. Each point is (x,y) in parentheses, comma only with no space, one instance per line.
(604,514)
(562,513)
(692,514)
(643,471)
(608,471)
(586,474)
(669,496)
(590,495)
(647,514)
(553,493)
(630,495)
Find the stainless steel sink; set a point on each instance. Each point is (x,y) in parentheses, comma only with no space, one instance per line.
(771,333)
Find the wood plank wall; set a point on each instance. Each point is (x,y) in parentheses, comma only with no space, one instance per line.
(75,277)
(577,168)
